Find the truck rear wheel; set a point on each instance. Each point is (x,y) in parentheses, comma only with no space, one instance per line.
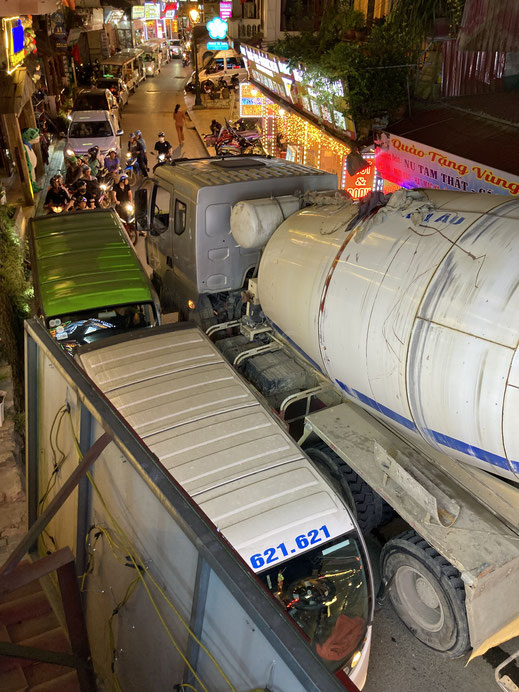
(370,509)
(427,593)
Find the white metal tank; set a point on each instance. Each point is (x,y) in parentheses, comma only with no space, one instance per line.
(414,314)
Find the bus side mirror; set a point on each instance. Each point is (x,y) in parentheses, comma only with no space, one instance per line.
(141,209)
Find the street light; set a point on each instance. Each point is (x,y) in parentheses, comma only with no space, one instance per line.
(197,29)
(194,14)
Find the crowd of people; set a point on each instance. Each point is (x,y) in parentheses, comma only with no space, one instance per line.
(85,183)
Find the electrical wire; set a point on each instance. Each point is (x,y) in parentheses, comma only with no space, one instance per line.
(141,571)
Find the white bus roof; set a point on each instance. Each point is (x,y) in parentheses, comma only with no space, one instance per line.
(211,432)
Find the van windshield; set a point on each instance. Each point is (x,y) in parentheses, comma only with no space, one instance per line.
(93,129)
(88,326)
(326,592)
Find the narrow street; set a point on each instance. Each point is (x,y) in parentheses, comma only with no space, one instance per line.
(151,108)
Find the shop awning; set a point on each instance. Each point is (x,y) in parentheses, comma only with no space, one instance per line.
(15,90)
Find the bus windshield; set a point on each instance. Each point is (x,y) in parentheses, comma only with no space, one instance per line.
(326,592)
(88,326)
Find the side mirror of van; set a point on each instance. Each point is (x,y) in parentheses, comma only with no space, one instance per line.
(119,133)
(141,209)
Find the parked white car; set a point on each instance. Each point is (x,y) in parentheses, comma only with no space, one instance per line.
(92,128)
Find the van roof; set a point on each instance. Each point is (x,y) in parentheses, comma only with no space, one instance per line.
(119,58)
(214,436)
(90,116)
(214,171)
(84,261)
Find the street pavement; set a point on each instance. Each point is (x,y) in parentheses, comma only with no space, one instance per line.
(150,109)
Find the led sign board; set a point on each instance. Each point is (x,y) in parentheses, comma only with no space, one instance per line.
(217,28)
(138,12)
(14,42)
(225,10)
(151,11)
(217,45)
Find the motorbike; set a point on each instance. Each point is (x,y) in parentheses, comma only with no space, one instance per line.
(106,184)
(231,141)
(126,213)
(132,168)
(162,159)
(185,59)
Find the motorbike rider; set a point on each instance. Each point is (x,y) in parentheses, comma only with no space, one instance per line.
(94,161)
(139,149)
(73,164)
(111,162)
(93,191)
(57,195)
(80,203)
(162,146)
(122,195)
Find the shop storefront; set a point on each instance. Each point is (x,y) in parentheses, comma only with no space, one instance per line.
(20,155)
(154,21)
(300,123)
(287,134)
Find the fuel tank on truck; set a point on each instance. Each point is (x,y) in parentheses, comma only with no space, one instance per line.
(413,313)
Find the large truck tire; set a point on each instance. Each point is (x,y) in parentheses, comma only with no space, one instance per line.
(203,315)
(427,593)
(369,508)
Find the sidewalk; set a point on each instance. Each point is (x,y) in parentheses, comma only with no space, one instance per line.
(201,118)
(12,495)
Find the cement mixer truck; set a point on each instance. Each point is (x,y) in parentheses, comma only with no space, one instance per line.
(385,335)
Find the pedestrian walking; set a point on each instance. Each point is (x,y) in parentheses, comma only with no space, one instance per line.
(179,118)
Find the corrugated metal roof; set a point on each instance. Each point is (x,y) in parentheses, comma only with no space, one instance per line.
(490,25)
(207,172)
(471,136)
(84,261)
(213,435)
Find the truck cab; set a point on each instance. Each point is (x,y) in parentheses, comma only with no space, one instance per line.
(197,265)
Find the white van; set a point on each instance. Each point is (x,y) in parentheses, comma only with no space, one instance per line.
(93,128)
(225,63)
(227,450)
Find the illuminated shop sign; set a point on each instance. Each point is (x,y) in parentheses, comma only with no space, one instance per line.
(290,85)
(14,42)
(151,11)
(217,45)
(411,164)
(138,12)
(360,184)
(225,10)
(217,28)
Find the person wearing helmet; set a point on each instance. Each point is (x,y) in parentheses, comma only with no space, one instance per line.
(122,196)
(73,164)
(139,149)
(93,191)
(111,161)
(162,146)
(57,196)
(93,160)
(140,138)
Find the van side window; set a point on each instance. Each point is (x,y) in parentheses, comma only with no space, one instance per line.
(160,209)
(180,217)
(234,63)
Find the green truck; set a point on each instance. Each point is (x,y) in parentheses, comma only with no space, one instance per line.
(88,281)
